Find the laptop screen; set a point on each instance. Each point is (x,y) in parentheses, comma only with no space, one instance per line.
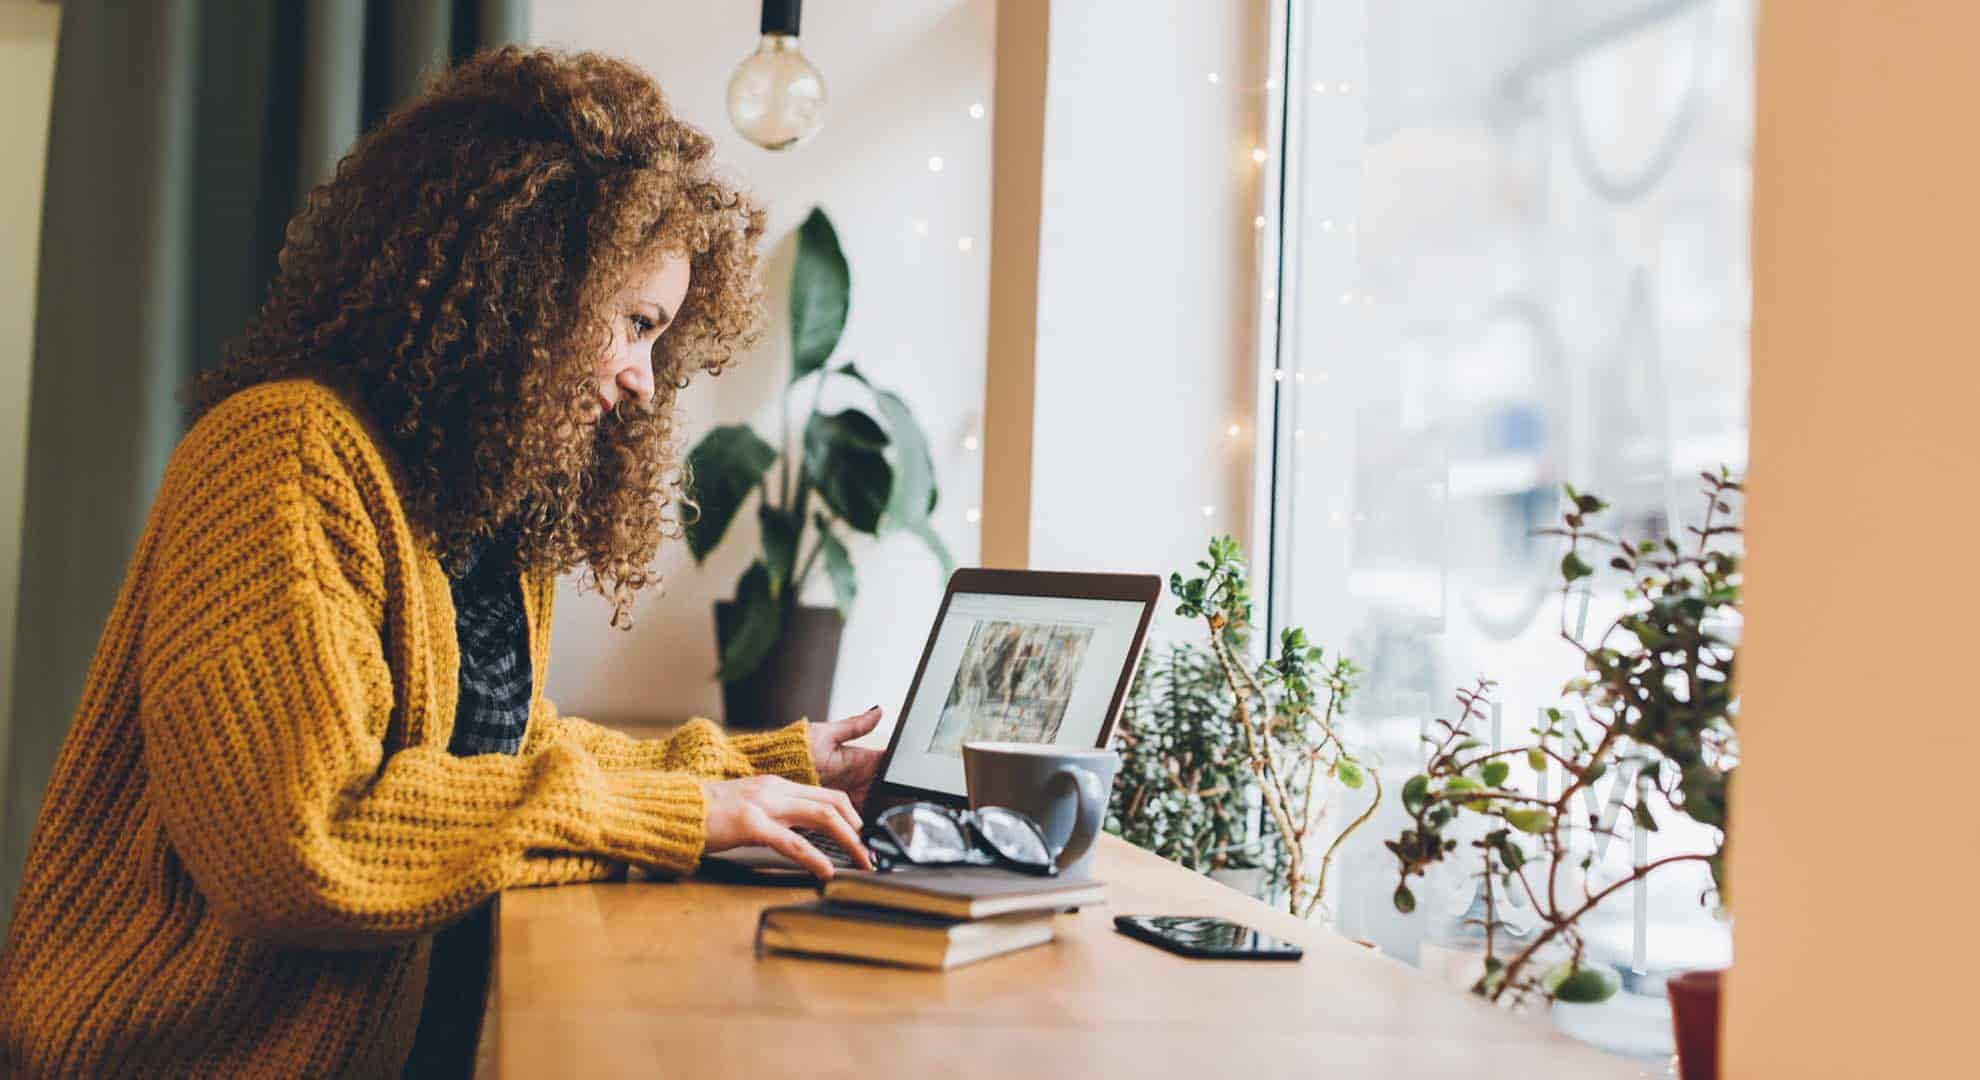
(1039,669)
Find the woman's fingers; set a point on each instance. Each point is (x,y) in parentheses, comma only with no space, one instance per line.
(828,818)
(769,810)
(796,848)
(779,827)
(852,727)
(838,800)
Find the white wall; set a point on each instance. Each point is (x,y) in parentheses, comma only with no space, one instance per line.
(902,77)
(27,82)
(1147,290)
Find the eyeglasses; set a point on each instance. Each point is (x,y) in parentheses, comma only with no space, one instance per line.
(928,834)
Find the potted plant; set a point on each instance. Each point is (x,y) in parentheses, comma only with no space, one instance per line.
(854,470)
(1278,742)
(1185,792)
(1656,701)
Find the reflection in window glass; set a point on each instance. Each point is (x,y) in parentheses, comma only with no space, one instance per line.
(1514,249)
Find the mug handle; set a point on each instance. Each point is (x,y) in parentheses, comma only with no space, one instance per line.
(1092,808)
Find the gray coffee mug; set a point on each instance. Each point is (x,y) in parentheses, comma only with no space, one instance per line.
(1063,789)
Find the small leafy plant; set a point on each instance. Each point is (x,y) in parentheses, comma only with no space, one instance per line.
(870,475)
(1285,710)
(1656,691)
(1184,791)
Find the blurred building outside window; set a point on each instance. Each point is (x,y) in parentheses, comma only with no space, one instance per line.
(1509,251)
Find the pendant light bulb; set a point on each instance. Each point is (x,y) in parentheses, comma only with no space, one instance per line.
(776,98)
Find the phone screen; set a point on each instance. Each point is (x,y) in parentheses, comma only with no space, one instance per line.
(1204,935)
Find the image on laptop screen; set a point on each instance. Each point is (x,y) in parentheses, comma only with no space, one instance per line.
(1036,669)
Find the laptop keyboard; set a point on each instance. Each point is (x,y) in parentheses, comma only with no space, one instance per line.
(834,852)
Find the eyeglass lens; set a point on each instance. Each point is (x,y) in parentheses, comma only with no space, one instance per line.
(925,834)
(1014,837)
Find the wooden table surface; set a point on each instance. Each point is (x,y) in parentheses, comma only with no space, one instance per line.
(653,978)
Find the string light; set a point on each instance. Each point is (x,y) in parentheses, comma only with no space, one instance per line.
(1260,156)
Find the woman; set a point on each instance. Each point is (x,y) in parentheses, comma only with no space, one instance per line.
(313,743)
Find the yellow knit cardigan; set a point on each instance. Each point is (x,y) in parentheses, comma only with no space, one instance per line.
(255,827)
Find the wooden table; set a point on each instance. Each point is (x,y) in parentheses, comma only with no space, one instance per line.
(657,979)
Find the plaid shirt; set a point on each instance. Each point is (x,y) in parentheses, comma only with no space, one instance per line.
(493,709)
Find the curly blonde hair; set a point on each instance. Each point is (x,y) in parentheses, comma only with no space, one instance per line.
(450,279)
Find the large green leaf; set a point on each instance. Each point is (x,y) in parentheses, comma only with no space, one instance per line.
(758,622)
(821,294)
(914,478)
(914,496)
(781,530)
(722,469)
(850,427)
(857,487)
(843,458)
(838,565)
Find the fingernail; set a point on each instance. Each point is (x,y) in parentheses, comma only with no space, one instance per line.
(873,708)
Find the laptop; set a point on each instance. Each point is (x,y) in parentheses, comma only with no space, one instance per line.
(1014,656)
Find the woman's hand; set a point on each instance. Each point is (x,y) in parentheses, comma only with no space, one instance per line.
(769,810)
(851,769)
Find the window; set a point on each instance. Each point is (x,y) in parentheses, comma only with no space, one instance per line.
(1512,253)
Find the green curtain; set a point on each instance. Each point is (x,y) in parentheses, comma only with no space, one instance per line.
(183,134)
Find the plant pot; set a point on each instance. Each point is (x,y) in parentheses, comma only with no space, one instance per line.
(1248,880)
(1695,1016)
(795,678)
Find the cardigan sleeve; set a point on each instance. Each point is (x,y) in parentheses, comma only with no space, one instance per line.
(272,781)
(698,747)
(270,756)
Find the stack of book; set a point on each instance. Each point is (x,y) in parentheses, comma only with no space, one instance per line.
(926,917)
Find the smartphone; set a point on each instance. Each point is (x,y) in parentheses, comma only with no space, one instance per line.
(1206,936)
